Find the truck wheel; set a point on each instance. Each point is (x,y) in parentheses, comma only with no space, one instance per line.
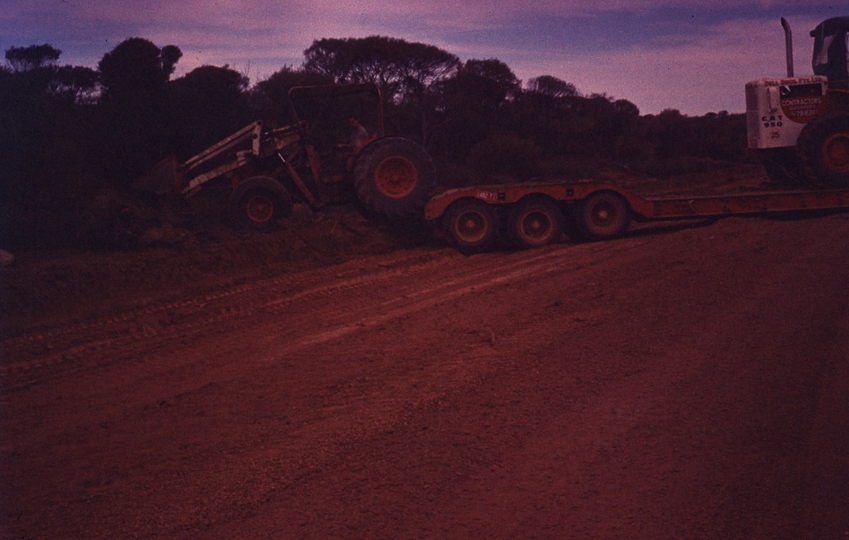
(394,176)
(604,215)
(535,222)
(258,202)
(823,147)
(470,225)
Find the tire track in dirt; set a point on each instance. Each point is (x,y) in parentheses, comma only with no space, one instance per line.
(406,278)
(23,340)
(192,314)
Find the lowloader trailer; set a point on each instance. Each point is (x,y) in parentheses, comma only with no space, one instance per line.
(799,126)
(537,214)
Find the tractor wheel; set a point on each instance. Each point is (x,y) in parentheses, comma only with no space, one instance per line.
(394,177)
(604,215)
(258,202)
(535,222)
(823,147)
(470,225)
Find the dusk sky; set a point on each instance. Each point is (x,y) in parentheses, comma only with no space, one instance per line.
(691,55)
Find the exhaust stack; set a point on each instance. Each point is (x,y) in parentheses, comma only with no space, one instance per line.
(788,45)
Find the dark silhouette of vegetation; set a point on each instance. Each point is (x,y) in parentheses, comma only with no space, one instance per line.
(44,141)
(551,89)
(22,59)
(137,69)
(134,107)
(270,96)
(206,105)
(400,69)
(72,138)
(409,75)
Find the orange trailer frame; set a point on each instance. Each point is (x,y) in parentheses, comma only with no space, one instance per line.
(602,210)
(649,208)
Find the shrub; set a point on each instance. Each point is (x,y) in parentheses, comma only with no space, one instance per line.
(506,157)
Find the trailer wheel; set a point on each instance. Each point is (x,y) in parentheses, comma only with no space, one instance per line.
(604,215)
(258,202)
(470,225)
(394,176)
(535,222)
(823,147)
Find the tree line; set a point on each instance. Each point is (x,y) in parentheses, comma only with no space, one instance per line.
(67,133)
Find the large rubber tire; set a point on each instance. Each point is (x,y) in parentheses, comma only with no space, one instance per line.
(259,202)
(823,147)
(394,177)
(535,222)
(604,215)
(470,225)
(782,166)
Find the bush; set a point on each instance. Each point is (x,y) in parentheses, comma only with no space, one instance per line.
(680,165)
(505,158)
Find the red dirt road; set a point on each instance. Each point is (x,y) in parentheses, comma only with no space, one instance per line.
(682,382)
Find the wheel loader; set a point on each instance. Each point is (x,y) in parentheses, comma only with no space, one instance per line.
(800,125)
(390,176)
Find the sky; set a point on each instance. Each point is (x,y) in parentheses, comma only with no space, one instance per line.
(691,55)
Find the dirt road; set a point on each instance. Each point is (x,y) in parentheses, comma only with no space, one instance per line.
(687,381)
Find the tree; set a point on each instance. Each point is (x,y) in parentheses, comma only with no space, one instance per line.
(46,138)
(474,100)
(74,84)
(625,108)
(423,66)
(33,57)
(549,97)
(37,102)
(395,65)
(408,75)
(207,104)
(552,87)
(134,106)
(170,55)
(423,74)
(137,68)
(485,84)
(269,97)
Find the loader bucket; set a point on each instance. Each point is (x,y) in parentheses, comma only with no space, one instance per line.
(164,178)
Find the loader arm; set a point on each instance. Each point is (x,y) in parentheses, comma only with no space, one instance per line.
(252,130)
(170,176)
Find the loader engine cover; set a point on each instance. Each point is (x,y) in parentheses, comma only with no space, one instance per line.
(778,109)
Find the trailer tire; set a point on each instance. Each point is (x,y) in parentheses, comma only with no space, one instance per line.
(535,222)
(258,202)
(604,215)
(470,225)
(394,177)
(823,147)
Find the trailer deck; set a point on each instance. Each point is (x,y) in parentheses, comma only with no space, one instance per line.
(537,212)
